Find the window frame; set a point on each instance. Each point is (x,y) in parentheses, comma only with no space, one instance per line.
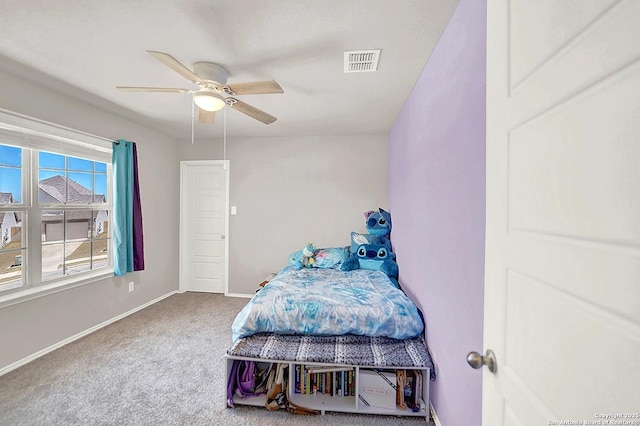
(33,136)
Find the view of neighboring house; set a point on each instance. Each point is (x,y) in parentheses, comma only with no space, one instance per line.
(11,225)
(58,190)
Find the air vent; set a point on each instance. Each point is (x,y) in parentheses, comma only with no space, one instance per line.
(361,60)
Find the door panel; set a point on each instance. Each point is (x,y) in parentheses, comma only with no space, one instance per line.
(554,347)
(562,280)
(592,42)
(204,226)
(541,31)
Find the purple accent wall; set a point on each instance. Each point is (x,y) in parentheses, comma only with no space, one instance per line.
(437,202)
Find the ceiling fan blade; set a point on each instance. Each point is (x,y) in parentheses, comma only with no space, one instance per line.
(177,66)
(152,89)
(206,117)
(251,111)
(253,88)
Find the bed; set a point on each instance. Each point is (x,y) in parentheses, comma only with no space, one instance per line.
(328,301)
(324,315)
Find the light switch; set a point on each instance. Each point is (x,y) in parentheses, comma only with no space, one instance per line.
(234,210)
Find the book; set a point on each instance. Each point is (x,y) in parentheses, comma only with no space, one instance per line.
(303,381)
(296,378)
(417,393)
(345,383)
(409,389)
(353,383)
(314,383)
(307,382)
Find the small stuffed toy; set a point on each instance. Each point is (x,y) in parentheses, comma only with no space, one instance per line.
(303,258)
(379,223)
(308,252)
(375,257)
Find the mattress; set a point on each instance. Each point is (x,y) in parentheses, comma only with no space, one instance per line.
(323,302)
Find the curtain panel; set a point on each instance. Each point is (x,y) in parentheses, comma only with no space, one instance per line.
(128,241)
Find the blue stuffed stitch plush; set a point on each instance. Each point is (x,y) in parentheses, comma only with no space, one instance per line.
(375,257)
(379,223)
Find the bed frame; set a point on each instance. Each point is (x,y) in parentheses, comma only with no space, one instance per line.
(360,355)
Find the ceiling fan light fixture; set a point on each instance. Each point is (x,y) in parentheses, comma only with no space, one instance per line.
(209,100)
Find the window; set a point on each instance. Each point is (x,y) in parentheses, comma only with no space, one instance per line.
(74,239)
(11,246)
(55,205)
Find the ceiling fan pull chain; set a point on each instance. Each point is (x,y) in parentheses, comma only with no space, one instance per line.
(193,120)
(224,135)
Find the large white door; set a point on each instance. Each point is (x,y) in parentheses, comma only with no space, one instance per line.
(562,288)
(203,226)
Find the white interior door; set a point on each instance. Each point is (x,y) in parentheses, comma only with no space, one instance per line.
(203,226)
(562,285)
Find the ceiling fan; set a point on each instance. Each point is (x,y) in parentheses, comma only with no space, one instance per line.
(213,92)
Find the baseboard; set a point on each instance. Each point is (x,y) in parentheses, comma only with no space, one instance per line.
(434,416)
(247,296)
(86,332)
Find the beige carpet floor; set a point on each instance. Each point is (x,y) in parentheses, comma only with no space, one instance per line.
(162,365)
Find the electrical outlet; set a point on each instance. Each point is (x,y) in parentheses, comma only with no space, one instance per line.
(131,285)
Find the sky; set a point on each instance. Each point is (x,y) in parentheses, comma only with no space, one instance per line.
(77,169)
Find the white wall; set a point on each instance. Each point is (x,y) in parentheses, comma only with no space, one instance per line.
(29,327)
(293,190)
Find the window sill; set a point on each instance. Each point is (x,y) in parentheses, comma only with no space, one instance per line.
(47,289)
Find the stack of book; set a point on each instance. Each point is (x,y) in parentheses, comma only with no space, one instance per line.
(328,380)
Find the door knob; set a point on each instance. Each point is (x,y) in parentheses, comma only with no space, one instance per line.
(222,237)
(476,360)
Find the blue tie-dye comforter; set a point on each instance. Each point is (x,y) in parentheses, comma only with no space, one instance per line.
(329,302)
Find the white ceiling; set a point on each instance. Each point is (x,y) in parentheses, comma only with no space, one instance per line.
(95,46)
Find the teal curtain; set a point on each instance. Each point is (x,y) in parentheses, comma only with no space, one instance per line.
(128,246)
